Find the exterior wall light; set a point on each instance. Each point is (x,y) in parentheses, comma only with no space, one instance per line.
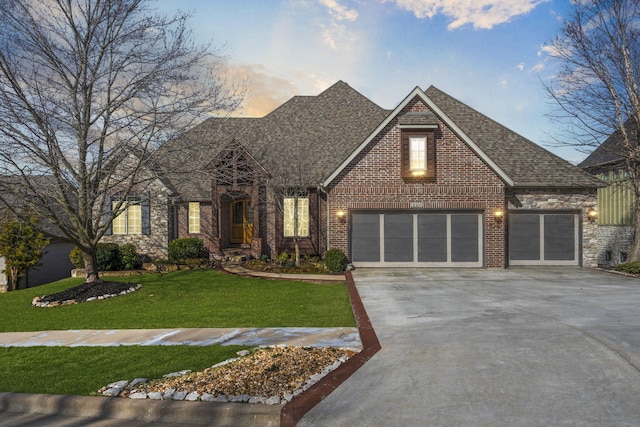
(342,216)
(498,214)
(592,214)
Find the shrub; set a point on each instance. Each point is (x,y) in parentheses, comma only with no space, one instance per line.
(108,257)
(76,257)
(629,267)
(186,248)
(128,256)
(334,260)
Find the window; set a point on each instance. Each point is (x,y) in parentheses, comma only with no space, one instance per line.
(194,217)
(133,216)
(129,220)
(418,154)
(608,256)
(291,214)
(623,257)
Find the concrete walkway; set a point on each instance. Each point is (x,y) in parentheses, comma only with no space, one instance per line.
(304,337)
(518,347)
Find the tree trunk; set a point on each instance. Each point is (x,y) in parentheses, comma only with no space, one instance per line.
(13,280)
(90,267)
(296,245)
(634,251)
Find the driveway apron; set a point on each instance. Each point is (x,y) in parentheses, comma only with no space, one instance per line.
(517,347)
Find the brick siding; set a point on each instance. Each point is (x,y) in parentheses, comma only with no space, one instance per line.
(463,181)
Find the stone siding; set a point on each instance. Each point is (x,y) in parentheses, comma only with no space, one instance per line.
(569,200)
(614,238)
(155,244)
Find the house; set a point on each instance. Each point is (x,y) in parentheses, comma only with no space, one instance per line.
(431,183)
(616,200)
(54,263)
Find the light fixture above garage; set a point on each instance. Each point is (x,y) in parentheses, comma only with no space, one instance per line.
(342,216)
(498,214)
(592,214)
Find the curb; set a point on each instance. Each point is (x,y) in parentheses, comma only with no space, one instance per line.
(294,410)
(165,411)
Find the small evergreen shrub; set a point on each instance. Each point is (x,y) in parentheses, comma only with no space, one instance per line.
(629,267)
(108,257)
(334,260)
(128,256)
(186,248)
(76,257)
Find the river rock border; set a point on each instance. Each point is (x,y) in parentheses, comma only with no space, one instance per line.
(132,390)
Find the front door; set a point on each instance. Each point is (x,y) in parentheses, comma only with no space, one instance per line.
(240,222)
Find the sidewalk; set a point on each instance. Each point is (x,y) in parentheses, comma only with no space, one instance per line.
(303,337)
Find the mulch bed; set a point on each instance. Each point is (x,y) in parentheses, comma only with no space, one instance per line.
(86,292)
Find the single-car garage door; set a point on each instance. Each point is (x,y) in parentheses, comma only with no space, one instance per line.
(544,238)
(409,238)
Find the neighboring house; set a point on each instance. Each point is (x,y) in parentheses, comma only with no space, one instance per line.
(431,183)
(615,201)
(54,264)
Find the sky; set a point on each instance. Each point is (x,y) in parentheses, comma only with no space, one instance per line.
(490,54)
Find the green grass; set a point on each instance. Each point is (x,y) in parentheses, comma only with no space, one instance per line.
(84,370)
(186,299)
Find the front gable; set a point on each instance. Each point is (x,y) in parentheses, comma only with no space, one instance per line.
(417,112)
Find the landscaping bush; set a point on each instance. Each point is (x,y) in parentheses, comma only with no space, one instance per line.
(186,248)
(334,260)
(128,256)
(108,257)
(76,257)
(629,267)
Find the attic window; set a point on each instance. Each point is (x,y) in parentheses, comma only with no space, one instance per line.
(418,154)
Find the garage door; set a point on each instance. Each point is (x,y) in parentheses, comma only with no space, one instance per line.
(543,238)
(428,239)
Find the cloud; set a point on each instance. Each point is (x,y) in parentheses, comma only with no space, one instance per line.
(340,12)
(520,66)
(481,14)
(264,91)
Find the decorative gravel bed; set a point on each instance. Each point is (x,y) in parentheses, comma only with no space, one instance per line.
(270,375)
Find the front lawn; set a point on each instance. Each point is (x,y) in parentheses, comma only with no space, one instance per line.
(185,299)
(84,370)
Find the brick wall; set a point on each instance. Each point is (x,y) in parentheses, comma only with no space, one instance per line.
(463,181)
(207,228)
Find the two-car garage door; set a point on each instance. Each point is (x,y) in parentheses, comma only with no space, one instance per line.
(456,238)
(410,238)
(544,238)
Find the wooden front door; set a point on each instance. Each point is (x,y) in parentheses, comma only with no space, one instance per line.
(240,222)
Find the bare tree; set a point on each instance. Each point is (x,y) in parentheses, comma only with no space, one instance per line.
(85,87)
(287,191)
(596,88)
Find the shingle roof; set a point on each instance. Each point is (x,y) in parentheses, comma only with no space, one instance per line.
(526,163)
(323,129)
(329,128)
(611,150)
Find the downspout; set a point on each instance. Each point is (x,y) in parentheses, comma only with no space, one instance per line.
(321,188)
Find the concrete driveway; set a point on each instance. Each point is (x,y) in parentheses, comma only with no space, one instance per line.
(519,347)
